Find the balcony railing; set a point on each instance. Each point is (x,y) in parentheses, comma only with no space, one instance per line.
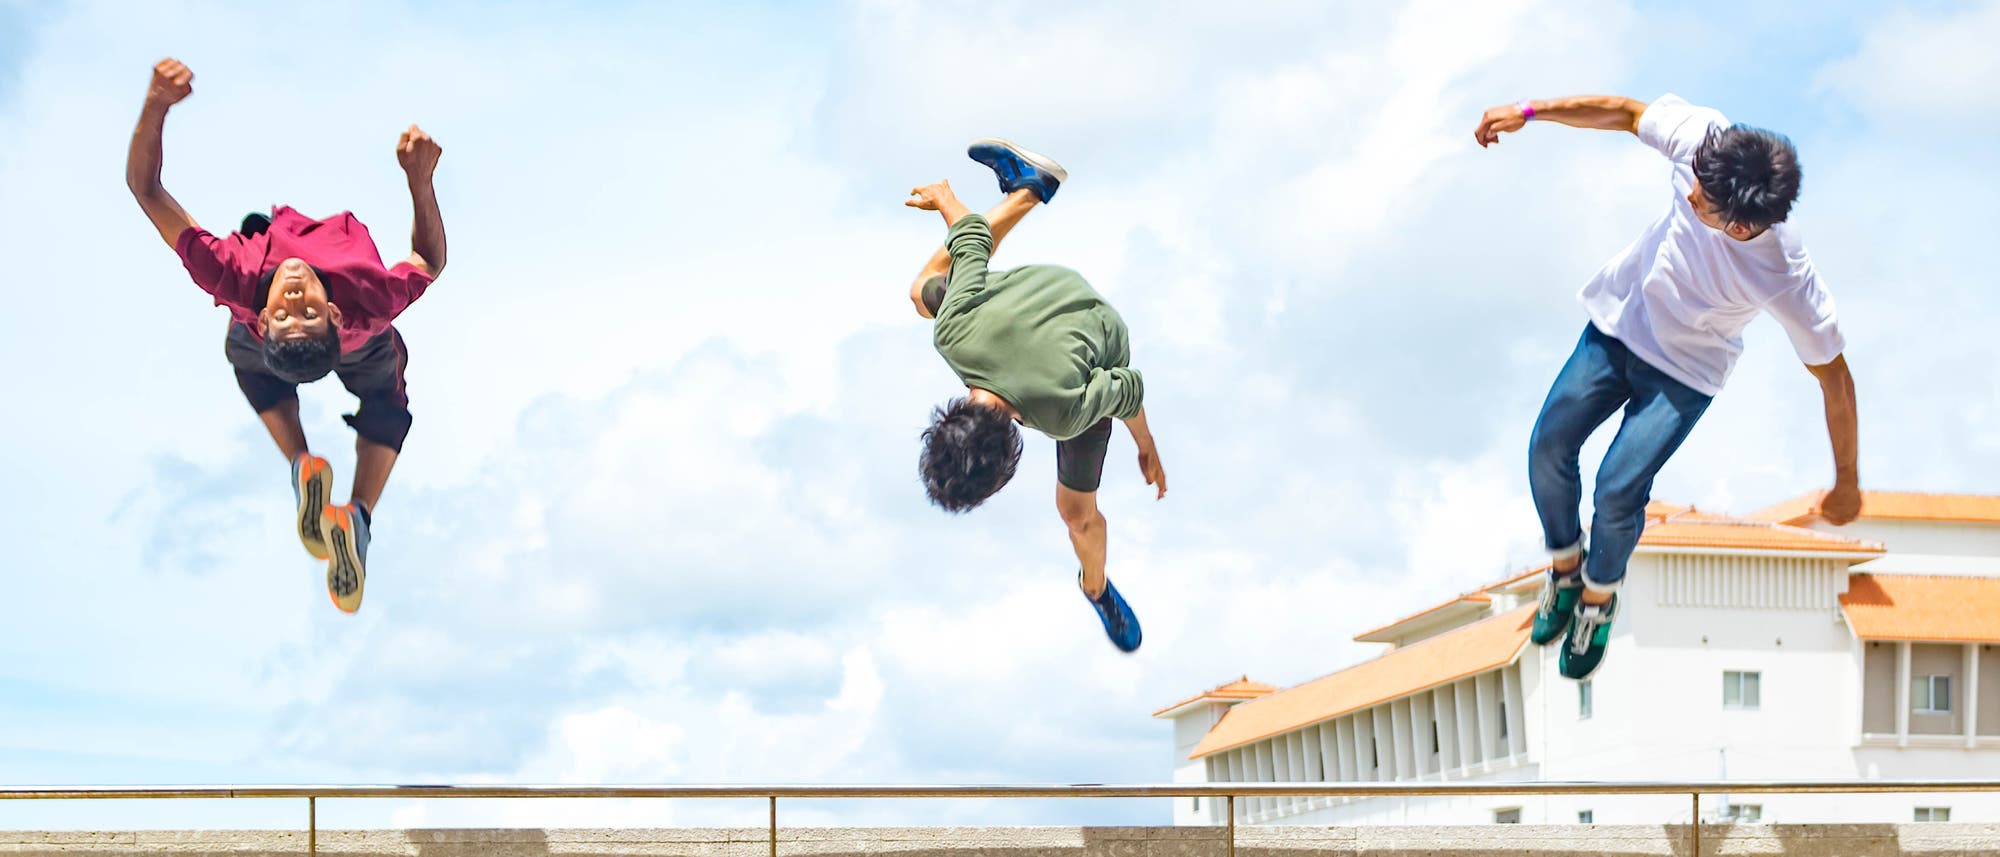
(1229,792)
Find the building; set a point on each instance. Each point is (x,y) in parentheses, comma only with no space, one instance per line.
(1768,647)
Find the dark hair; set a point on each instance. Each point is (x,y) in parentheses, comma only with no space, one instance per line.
(1750,175)
(970,452)
(303,361)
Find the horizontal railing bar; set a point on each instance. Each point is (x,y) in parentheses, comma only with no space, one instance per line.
(1080,790)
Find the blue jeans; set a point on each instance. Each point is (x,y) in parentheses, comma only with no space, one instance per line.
(1601,377)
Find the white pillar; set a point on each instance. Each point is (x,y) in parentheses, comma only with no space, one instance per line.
(1970,693)
(1903,693)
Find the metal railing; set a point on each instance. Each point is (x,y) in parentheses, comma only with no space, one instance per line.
(1229,792)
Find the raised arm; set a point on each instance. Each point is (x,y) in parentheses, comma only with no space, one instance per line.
(418,154)
(172,81)
(1602,112)
(1836,384)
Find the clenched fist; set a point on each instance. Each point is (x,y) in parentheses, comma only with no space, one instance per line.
(172,81)
(418,153)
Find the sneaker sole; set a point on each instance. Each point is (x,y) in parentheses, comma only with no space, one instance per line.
(315,492)
(1038,161)
(344,570)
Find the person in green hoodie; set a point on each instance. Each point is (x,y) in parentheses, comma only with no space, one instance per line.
(1035,345)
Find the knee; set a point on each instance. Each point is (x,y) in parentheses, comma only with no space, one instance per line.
(1620,500)
(1081,520)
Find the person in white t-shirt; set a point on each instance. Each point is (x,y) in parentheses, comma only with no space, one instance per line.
(1666,321)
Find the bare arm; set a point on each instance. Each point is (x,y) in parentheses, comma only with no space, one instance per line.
(1149,455)
(171,82)
(418,154)
(1602,112)
(1836,384)
(939,198)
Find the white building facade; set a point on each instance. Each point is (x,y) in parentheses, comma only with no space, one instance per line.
(1772,647)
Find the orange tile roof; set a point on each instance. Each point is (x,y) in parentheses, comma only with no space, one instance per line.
(1893,505)
(1685,526)
(1241,688)
(1922,607)
(1475,648)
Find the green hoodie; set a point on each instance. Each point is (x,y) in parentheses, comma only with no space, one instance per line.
(1037,336)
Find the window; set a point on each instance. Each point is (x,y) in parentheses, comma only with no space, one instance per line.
(1740,689)
(1197,803)
(1503,721)
(1434,736)
(1745,813)
(1583,701)
(1510,815)
(1586,817)
(1933,813)
(1930,694)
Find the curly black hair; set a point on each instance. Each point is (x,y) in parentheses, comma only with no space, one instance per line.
(970,452)
(1750,175)
(302,361)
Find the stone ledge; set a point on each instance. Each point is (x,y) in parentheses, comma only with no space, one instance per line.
(1508,840)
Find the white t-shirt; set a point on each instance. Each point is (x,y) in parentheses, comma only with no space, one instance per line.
(1680,296)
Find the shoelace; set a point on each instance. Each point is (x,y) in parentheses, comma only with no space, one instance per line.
(1587,620)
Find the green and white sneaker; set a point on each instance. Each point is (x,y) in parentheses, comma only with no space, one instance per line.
(1560,592)
(1589,634)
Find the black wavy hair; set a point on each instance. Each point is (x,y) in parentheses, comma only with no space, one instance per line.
(1750,175)
(970,452)
(300,361)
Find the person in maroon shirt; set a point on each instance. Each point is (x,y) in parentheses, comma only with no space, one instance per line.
(307,297)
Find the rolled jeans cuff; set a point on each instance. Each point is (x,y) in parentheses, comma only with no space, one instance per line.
(1574,550)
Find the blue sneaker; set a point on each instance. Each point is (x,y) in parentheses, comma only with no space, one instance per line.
(1018,167)
(1119,622)
(346,529)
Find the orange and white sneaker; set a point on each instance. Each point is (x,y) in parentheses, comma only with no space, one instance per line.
(312,486)
(346,533)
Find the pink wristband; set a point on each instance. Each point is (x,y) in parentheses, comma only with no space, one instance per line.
(1528,110)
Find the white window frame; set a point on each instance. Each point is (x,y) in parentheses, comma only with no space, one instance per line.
(1930,685)
(1585,700)
(1502,811)
(1586,816)
(1933,813)
(1751,681)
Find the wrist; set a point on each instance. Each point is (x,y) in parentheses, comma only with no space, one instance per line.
(154,109)
(1527,110)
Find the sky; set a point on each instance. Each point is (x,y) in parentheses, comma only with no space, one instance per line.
(659,520)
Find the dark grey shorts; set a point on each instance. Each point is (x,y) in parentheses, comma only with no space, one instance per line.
(373,373)
(1080,460)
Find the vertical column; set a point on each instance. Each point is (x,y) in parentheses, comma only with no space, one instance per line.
(1517,709)
(1491,747)
(1466,703)
(1402,727)
(1349,768)
(1970,693)
(1385,745)
(1364,745)
(1445,706)
(1903,693)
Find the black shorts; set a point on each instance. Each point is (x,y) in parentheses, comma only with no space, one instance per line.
(373,373)
(1080,460)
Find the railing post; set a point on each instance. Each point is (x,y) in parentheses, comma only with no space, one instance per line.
(1232,826)
(312,825)
(1695,824)
(774,826)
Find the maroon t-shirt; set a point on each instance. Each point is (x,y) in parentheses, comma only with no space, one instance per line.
(369,295)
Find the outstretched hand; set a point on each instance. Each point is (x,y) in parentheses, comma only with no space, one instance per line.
(930,196)
(1149,464)
(418,153)
(172,81)
(1504,119)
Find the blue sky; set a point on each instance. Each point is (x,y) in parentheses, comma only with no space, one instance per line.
(658,520)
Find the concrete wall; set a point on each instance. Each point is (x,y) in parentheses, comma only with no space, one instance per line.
(1853,840)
